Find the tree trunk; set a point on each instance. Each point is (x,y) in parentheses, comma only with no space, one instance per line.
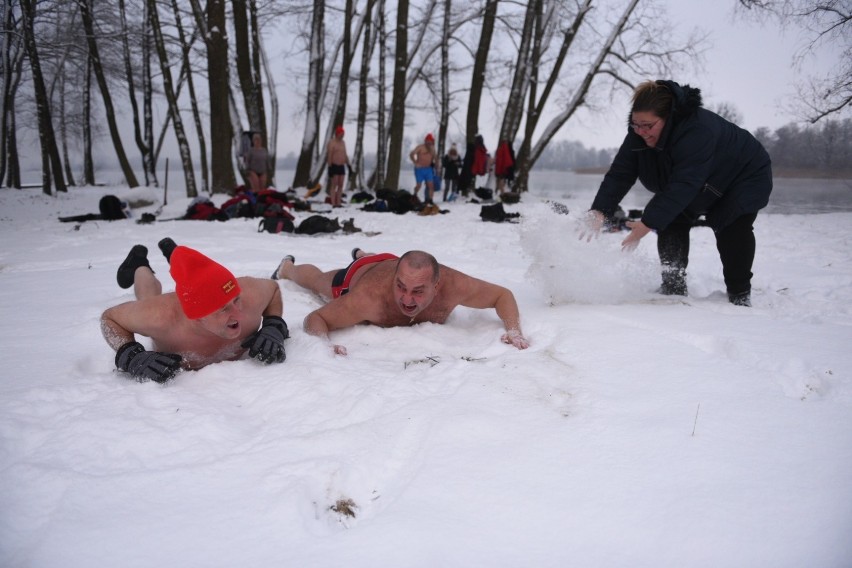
(397,123)
(88,161)
(12,65)
(51,163)
(363,82)
(148,98)
(271,146)
(88,24)
(531,152)
(257,71)
(63,129)
(221,130)
(477,84)
(147,159)
(304,166)
(174,109)
(444,120)
(521,78)
(382,141)
(186,48)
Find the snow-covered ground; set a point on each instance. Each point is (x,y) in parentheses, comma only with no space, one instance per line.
(635,431)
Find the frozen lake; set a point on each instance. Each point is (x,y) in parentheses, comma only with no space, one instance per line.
(789,195)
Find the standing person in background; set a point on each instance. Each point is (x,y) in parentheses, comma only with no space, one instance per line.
(423,157)
(504,165)
(696,163)
(338,161)
(257,163)
(452,163)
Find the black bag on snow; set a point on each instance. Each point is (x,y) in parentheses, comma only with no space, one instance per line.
(317,224)
(496,213)
(275,225)
(111,209)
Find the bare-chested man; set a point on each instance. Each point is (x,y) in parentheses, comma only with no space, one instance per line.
(337,161)
(384,290)
(424,160)
(210,317)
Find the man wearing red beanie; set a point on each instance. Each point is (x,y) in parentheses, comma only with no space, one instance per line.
(211,316)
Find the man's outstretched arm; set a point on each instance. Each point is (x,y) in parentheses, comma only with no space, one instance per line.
(483,295)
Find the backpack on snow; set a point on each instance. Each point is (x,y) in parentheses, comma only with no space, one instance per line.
(496,213)
(317,224)
(275,225)
(111,208)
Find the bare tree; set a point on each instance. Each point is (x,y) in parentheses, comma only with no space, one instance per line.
(367,48)
(94,54)
(477,84)
(381,131)
(397,109)
(186,74)
(302,177)
(171,98)
(13,54)
(827,22)
(148,165)
(630,49)
(219,91)
(51,162)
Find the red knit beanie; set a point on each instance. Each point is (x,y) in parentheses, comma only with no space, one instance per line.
(202,285)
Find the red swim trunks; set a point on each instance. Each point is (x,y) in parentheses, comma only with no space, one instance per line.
(341,280)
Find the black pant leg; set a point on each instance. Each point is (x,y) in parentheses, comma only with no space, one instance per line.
(736,245)
(673,248)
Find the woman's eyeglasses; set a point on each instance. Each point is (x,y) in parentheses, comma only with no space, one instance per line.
(644,127)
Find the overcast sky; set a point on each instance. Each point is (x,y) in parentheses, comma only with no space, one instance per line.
(748,65)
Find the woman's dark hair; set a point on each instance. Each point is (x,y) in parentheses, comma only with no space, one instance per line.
(652,97)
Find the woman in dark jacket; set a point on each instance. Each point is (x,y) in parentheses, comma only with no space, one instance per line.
(696,163)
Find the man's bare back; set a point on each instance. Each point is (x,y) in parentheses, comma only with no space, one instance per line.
(400,292)
(170,331)
(212,316)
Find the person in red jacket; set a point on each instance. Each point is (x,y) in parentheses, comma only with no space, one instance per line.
(504,165)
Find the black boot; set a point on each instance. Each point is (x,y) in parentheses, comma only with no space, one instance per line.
(674,283)
(138,256)
(167,246)
(742,299)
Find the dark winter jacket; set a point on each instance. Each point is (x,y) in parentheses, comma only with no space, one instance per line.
(452,166)
(702,164)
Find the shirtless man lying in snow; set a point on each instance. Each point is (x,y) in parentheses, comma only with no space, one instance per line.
(210,317)
(387,291)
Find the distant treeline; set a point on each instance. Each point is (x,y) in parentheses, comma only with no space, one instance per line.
(824,148)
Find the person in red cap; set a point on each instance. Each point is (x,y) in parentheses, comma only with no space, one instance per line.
(211,316)
(338,162)
(425,159)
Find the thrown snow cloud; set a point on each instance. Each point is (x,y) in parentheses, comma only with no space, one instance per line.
(569,270)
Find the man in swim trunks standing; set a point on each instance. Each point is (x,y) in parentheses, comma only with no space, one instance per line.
(337,164)
(424,159)
(388,291)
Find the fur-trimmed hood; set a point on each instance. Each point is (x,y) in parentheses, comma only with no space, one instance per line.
(686,99)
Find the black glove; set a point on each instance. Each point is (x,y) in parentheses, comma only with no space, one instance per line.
(160,367)
(267,343)
(349,167)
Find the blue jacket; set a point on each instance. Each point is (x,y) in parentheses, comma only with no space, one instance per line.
(702,165)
